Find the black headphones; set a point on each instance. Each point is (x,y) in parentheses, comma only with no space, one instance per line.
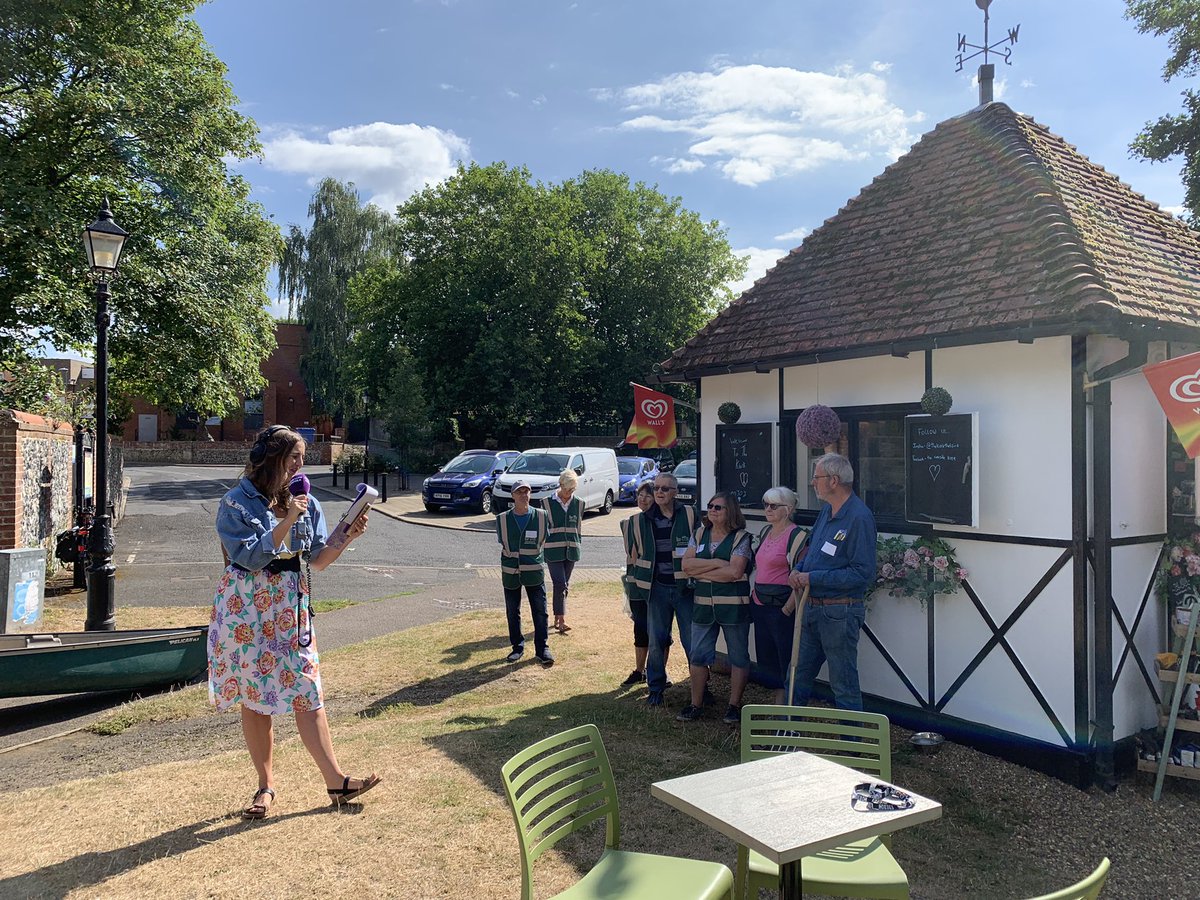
(880,798)
(259,451)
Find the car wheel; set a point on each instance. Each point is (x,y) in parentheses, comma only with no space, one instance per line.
(432,507)
(485,502)
(608,504)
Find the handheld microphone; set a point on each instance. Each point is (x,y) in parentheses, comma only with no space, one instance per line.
(298,486)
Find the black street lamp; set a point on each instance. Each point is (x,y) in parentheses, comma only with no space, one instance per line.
(103,240)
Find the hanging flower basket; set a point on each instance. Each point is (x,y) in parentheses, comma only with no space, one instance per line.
(729,412)
(1178,577)
(818,427)
(920,568)
(936,401)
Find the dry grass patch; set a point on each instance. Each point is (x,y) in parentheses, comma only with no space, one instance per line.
(436,711)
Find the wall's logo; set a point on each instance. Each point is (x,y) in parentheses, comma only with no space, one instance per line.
(1186,388)
(654,409)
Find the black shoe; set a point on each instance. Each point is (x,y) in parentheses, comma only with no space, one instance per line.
(654,698)
(515,656)
(689,713)
(733,715)
(546,658)
(668,683)
(635,677)
(709,699)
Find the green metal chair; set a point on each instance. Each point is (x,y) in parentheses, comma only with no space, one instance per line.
(1088,889)
(564,783)
(860,740)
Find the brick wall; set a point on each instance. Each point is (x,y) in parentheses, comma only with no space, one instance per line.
(216,453)
(36,481)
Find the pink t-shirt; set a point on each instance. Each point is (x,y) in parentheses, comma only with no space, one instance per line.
(770,561)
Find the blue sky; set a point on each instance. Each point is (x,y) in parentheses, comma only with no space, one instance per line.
(766,116)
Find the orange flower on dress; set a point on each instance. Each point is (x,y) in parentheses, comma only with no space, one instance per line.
(287,678)
(262,600)
(244,633)
(303,618)
(234,604)
(301,704)
(273,579)
(229,690)
(268,629)
(266,663)
(224,582)
(221,669)
(252,692)
(212,614)
(286,619)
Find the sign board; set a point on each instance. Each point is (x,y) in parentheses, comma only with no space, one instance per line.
(745,461)
(22,588)
(941,479)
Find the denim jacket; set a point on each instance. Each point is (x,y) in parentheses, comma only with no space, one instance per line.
(245,522)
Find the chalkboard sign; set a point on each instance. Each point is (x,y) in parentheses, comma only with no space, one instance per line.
(940,476)
(744,461)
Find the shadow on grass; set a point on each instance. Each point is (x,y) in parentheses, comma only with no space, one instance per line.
(90,869)
(433,691)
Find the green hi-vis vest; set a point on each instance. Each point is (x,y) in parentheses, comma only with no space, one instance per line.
(521,551)
(681,533)
(638,569)
(566,529)
(724,602)
(796,541)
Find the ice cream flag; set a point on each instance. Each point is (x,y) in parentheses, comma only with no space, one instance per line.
(1176,384)
(653,425)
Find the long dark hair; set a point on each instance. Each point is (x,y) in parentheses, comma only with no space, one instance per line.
(267,468)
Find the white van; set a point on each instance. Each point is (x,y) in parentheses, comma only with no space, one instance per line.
(595,466)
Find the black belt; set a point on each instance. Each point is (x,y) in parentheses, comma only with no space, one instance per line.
(275,566)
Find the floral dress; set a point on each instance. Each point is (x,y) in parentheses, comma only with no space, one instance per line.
(259,623)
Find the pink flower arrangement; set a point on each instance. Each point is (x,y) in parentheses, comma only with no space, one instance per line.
(1178,578)
(918,569)
(818,427)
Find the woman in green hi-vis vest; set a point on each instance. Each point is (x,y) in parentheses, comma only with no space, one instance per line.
(565,512)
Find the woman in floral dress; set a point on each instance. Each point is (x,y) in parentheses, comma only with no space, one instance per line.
(261,648)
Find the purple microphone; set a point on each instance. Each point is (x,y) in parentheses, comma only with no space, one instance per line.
(298,487)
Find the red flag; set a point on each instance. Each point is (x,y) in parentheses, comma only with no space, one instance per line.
(1176,384)
(653,425)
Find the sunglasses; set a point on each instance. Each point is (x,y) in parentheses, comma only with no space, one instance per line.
(773,505)
(659,489)
(716,506)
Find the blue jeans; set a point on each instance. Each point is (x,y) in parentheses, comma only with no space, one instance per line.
(830,635)
(668,602)
(537,607)
(772,643)
(737,644)
(560,576)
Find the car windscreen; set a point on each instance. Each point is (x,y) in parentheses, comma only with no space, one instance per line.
(539,464)
(476,464)
(628,465)
(686,469)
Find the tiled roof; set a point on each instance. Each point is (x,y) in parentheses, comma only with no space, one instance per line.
(989,225)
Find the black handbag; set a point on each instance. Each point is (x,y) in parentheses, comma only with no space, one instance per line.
(772,594)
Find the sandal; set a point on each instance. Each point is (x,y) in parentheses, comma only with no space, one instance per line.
(257,809)
(344,794)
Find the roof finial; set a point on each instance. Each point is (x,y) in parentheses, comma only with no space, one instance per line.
(987,71)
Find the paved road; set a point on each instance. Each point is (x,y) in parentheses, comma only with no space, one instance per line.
(167,555)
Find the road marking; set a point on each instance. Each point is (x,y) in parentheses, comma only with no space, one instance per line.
(130,558)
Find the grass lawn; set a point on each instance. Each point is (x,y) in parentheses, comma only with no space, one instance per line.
(436,711)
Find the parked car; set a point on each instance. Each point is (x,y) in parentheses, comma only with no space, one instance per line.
(467,481)
(634,472)
(685,472)
(595,466)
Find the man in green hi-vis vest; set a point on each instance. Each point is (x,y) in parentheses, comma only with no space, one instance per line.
(522,532)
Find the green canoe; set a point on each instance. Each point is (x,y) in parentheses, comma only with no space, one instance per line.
(32,665)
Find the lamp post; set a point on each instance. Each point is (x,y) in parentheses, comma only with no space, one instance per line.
(103,240)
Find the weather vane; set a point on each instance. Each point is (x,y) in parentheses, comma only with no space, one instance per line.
(986,70)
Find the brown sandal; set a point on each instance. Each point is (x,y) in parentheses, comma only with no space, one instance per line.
(344,794)
(257,809)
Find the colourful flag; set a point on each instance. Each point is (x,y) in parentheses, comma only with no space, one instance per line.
(653,425)
(1176,384)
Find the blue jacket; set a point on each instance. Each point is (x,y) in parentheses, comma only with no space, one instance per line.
(841,552)
(245,522)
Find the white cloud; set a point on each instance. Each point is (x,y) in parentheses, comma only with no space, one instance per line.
(796,234)
(387,162)
(674,165)
(878,66)
(760,259)
(1028,83)
(757,123)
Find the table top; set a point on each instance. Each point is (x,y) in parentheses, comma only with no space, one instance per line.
(786,806)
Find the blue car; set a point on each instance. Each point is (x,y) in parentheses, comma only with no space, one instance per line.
(634,472)
(466,481)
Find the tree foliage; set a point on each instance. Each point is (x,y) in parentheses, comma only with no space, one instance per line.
(124,99)
(315,270)
(514,302)
(1178,134)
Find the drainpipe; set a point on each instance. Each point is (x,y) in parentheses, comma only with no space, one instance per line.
(1102,682)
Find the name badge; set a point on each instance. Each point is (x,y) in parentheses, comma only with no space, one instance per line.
(700,549)
(679,551)
(830,549)
(531,535)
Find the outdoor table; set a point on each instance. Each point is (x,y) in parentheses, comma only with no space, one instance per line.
(787,807)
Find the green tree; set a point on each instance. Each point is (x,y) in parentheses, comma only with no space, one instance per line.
(315,271)
(109,97)
(1178,134)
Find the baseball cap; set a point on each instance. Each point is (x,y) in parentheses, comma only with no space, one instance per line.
(520,483)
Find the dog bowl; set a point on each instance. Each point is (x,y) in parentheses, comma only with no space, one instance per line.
(928,742)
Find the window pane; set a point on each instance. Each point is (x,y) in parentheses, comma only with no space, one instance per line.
(880,470)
